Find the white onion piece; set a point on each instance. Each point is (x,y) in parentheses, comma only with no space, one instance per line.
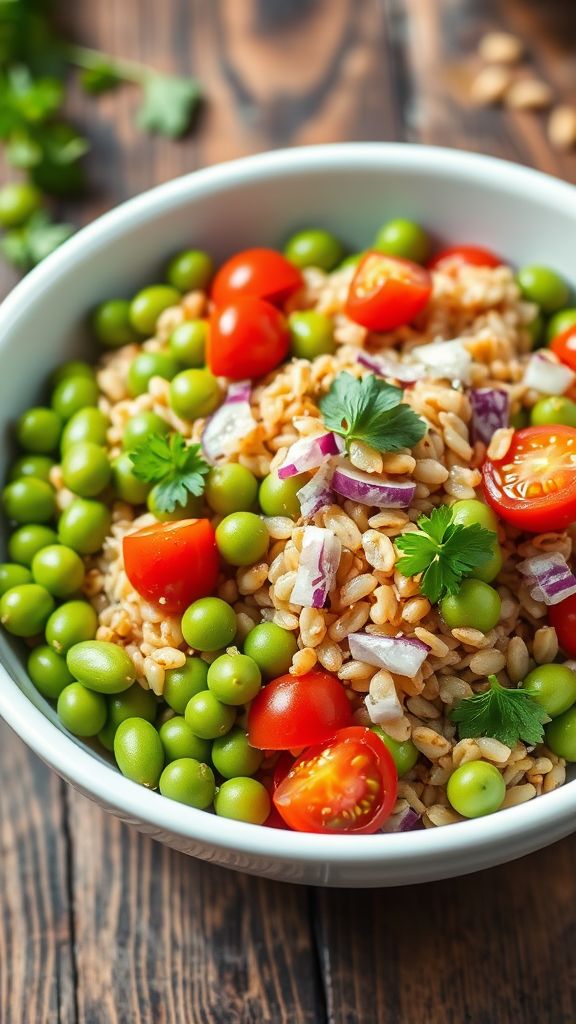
(310,452)
(385,366)
(317,568)
(549,577)
(446,360)
(317,493)
(401,654)
(371,489)
(231,422)
(490,408)
(404,821)
(548,376)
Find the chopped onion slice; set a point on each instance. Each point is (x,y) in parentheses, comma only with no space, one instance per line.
(371,489)
(548,376)
(490,407)
(319,561)
(549,577)
(231,422)
(405,821)
(448,360)
(310,452)
(317,493)
(386,366)
(401,654)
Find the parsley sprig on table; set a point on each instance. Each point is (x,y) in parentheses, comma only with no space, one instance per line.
(176,468)
(372,411)
(444,552)
(503,714)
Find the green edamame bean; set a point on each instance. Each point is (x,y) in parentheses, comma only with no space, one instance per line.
(73,394)
(194,393)
(188,343)
(132,703)
(405,753)
(544,287)
(208,717)
(476,788)
(28,540)
(147,365)
(560,735)
(232,755)
(84,525)
(180,684)
(111,324)
(48,671)
(178,741)
(311,334)
(234,679)
(59,569)
(535,330)
(139,752)
(231,488)
(32,465)
(560,322)
(85,425)
(86,469)
(126,485)
(25,609)
(100,665)
(140,427)
(106,736)
(188,781)
(242,538)
(70,624)
(279,497)
(38,430)
(209,624)
(476,605)
(403,238)
(243,799)
(28,500)
(272,648)
(81,711)
(554,409)
(553,687)
(149,303)
(190,270)
(12,575)
(314,247)
(191,510)
(469,511)
(18,201)
(72,368)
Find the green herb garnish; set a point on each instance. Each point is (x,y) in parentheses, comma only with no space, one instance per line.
(176,468)
(444,552)
(505,715)
(372,411)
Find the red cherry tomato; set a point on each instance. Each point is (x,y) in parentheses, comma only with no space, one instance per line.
(172,564)
(563,617)
(264,273)
(387,292)
(247,338)
(348,784)
(456,256)
(534,486)
(295,711)
(281,768)
(274,820)
(564,346)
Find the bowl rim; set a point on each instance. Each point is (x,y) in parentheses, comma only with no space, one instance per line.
(103,781)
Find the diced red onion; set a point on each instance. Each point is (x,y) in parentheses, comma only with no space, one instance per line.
(385,366)
(405,821)
(548,376)
(549,577)
(317,493)
(318,565)
(371,489)
(449,360)
(310,452)
(490,408)
(231,422)
(401,654)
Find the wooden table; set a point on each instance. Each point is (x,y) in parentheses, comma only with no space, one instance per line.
(102,926)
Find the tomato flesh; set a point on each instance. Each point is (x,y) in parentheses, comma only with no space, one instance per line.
(247,338)
(564,346)
(264,273)
(563,617)
(534,486)
(296,711)
(172,564)
(455,256)
(387,292)
(346,785)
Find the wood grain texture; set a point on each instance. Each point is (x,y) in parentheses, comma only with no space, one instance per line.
(100,925)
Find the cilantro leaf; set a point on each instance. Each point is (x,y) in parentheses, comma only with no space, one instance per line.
(178,469)
(26,246)
(102,77)
(372,411)
(444,552)
(503,714)
(168,104)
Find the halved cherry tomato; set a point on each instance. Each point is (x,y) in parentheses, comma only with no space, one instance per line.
(387,292)
(463,255)
(282,767)
(247,338)
(534,485)
(274,820)
(295,711)
(348,784)
(264,273)
(172,564)
(563,617)
(564,346)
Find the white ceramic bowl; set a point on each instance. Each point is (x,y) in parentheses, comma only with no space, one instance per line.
(352,189)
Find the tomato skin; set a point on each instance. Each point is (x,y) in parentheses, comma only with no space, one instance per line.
(387,292)
(563,617)
(463,256)
(515,494)
(564,346)
(172,564)
(344,786)
(265,273)
(295,711)
(247,338)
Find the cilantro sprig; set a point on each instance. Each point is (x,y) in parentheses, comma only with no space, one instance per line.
(176,468)
(444,552)
(503,714)
(372,411)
